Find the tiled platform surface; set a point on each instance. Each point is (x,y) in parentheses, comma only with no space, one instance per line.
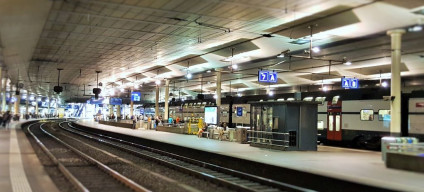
(358,166)
(20,169)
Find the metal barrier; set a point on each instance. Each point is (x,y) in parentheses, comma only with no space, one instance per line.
(269,138)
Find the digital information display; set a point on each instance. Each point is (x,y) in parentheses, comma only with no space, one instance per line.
(135,96)
(115,101)
(211,115)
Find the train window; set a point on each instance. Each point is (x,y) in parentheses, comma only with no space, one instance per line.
(384,115)
(320,99)
(308,98)
(330,122)
(320,125)
(367,115)
(335,99)
(337,122)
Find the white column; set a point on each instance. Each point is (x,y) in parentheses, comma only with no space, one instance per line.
(395,89)
(131,106)
(3,98)
(166,117)
(26,104)
(218,88)
(157,101)
(118,111)
(9,107)
(2,91)
(110,110)
(36,105)
(17,102)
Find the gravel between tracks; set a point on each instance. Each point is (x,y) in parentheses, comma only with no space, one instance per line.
(183,182)
(61,182)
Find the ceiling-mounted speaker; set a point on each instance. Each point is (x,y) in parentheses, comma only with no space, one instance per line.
(17,92)
(200,96)
(58,89)
(96,92)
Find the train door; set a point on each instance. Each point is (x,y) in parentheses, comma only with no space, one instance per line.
(334,120)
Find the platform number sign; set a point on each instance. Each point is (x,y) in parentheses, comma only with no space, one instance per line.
(135,96)
(267,76)
(350,83)
(239,111)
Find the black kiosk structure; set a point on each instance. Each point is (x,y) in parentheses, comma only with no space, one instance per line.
(284,125)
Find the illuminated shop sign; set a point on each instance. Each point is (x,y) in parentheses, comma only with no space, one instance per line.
(267,76)
(350,83)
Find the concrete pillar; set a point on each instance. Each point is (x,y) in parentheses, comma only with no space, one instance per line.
(157,101)
(218,88)
(395,89)
(26,104)
(9,107)
(2,91)
(17,102)
(166,117)
(110,110)
(3,97)
(131,106)
(48,105)
(118,111)
(36,106)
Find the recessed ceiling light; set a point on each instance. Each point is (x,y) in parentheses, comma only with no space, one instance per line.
(235,66)
(189,75)
(316,49)
(157,82)
(348,63)
(208,71)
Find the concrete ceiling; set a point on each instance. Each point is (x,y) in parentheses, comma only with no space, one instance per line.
(136,42)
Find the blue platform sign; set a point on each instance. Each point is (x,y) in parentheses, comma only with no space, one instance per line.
(135,96)
(239,111)
(267,76)
(115,101)
(350,83)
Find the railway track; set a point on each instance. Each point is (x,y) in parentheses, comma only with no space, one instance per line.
(83,171)
(229,178)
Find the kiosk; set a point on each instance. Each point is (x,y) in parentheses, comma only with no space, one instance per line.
(284,125)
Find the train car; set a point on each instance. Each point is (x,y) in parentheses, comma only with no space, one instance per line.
(362,123)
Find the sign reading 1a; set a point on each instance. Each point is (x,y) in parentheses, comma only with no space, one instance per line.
(267,76)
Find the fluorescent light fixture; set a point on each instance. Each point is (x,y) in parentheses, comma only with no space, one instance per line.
(234,66)
(157,82)
(122,90)
(325,88)
(31,98)
(239,94)
(208,71)
(136,86)
(415,28)
(271,93)
(189,75)
(316,49)
(348,63)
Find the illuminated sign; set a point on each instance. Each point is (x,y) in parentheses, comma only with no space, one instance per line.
(239,111)
(267,76)
(350,83)
(115,101)
(135,96)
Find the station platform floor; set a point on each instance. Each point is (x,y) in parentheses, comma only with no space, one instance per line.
(20,168)
(360,166)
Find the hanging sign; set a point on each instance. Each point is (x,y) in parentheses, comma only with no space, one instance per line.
(239,111)
(267,76)
(350,83)
(135,96)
